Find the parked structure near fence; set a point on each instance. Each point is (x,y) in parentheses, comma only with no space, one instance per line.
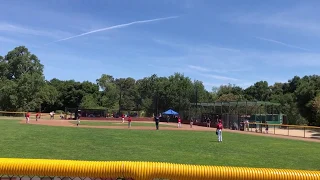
(72,113)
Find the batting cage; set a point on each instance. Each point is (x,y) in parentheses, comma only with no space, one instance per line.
(234,114)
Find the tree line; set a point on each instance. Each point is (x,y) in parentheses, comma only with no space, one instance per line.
(23,87)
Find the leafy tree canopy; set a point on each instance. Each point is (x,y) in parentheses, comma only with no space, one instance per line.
(24,88)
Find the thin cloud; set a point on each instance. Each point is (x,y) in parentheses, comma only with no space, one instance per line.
(19,29)
(7,40)
(218,70)
(225,49)
(231,70)
(282,43)
(210,85)
(220,77)
(115,27)
(198,68)
(192,47)
(13,28)
(301,19)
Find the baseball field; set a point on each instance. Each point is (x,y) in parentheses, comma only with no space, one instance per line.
(105,141)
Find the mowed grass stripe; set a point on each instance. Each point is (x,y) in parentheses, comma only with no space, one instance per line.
(187,147)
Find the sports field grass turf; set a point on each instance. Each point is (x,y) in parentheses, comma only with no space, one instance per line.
(96,123)
(36,141)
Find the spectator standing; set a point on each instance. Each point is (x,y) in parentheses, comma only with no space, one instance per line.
(247,124)
(267,128)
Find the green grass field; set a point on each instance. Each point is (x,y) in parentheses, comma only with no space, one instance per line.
(191,147)
(96,123)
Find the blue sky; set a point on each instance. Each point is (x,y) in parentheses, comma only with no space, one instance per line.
(217,42)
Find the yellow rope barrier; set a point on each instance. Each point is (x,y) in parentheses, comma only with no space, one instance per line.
(144,170)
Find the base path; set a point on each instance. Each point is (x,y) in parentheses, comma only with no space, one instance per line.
(185,127)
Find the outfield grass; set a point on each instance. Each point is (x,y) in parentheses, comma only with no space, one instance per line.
(36,141)
(96,123)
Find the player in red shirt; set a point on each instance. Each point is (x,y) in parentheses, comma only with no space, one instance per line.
(219,130)
(179,122)
(122,118)
(27,117)
(129,121)
(37,116)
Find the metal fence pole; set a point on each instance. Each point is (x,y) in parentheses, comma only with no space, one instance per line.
(304,132)
(288,130)
(274,129)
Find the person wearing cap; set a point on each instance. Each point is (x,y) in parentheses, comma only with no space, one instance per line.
(78,117)
(27,117)
(219,130)
(122,118)
(37,116)
(156,119)
(179,122)
(129,121)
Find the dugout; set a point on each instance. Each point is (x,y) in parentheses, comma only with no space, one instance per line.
(234,113)
(86,113)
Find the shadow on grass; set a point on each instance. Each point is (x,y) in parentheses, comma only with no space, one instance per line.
(213,141)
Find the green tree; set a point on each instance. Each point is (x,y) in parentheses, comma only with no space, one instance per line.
(8,95)
(199,91)
(20,61)
(179,90)
(89,102)
(228,97)
(22,79)
(306,91)
(109,94)
(229,93)
(316,109)
(260,91)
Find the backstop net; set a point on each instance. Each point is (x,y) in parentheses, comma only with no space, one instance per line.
(233,114)
(90,113)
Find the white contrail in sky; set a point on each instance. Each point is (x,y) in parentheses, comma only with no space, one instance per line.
(282,43)
(115,27)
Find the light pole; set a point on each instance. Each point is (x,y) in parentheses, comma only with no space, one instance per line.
(120,93)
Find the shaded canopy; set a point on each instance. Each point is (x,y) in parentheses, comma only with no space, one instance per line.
(170,112)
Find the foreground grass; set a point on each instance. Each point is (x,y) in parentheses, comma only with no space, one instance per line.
(35,141)
(96,123)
